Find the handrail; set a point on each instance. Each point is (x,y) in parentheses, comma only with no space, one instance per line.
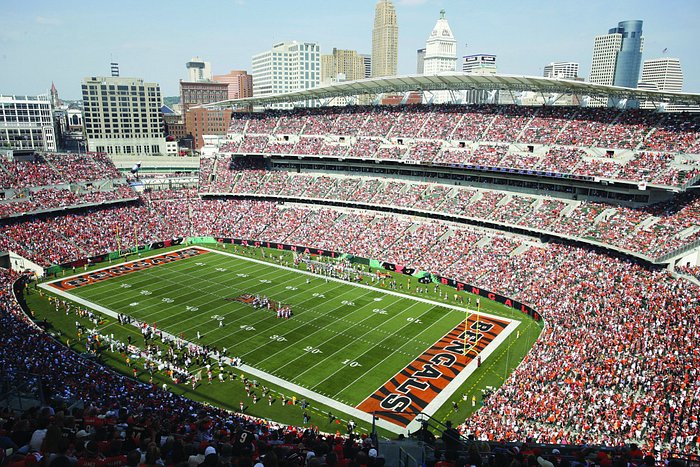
(678,252)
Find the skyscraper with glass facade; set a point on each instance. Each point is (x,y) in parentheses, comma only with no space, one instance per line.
(617,56)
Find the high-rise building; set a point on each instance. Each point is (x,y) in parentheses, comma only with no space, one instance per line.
(479,64)
(240,83)
(385,40)
(663,74)
(420,61)
(328,70)
(348,63)
(198,70)
(26,122)
(367,59)
(287,67)
(440,48)
(122,116)
(564,70)
(617,56)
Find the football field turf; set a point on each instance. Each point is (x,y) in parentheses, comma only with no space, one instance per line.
(360,346)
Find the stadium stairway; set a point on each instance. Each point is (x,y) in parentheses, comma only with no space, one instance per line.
(525,127)
(687,232)
(604,216)
(647,223)
(450,136)
(483,241)
(519,250)
(404,453)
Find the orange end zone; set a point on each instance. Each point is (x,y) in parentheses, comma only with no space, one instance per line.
(126,268)
(414,387)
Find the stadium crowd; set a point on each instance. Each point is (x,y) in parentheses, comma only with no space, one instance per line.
(48,199)
(652,231)
(95,417)
(616,362)
(448,134)
(54,169)
(45,182)
(693,271)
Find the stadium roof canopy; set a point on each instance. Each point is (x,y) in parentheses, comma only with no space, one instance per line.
(460,82)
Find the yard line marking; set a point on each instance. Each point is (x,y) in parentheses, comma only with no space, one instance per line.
(352,342)
(313,333)
(449,306)
(336,335)
(436,403)
(295,388)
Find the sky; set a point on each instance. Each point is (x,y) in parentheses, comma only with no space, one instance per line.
(64,41)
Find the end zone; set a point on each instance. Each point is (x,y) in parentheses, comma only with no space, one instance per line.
(431,375)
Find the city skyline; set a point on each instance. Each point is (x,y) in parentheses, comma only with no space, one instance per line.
(67,42)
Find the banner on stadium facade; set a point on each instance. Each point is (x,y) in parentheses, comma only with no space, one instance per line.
(359,260)
(425,277)
(507,301)
(281,246)
(197,240)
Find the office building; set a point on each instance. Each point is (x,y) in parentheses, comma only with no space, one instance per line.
(617,56)
(240,83)
(347,63)
(122,116)
(198,70)
(385,40)
(440,48)
(563,70)
(287,67)
(200,122)
(420,61)
(26,122)
(479,64)
(663,74)
(197,93)
(70,131)
(174,124)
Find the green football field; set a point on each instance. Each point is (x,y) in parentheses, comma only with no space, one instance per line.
(343,341)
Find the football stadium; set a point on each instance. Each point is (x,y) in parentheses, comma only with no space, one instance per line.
(522,278)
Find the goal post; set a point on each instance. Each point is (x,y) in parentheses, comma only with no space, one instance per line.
(477,334)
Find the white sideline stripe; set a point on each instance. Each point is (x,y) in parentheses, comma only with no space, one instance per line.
(454,385)
(463,375)
(430,409)
(360,415)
